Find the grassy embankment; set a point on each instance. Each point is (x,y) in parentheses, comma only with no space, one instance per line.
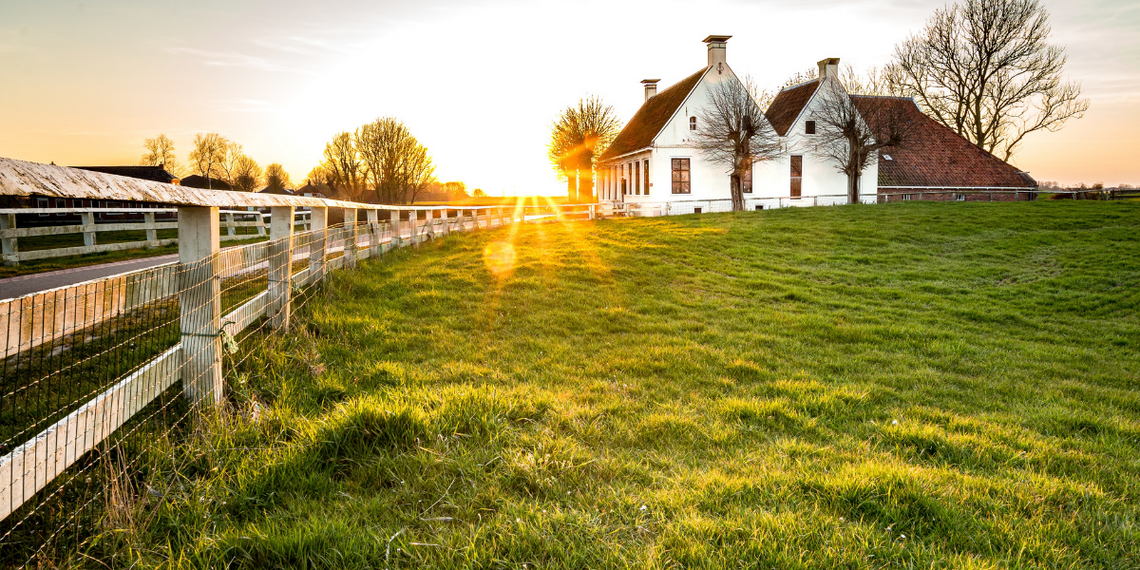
(910,385)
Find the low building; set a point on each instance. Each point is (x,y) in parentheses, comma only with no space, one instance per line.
(938,164)
(206,183)
(655,159)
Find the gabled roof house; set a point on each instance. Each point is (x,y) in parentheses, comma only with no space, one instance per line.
(655,164)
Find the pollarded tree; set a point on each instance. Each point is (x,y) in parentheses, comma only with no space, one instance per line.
(986,69)
(581,133)
(735,133)
(850,130)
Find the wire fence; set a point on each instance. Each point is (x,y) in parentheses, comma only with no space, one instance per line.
(102,380)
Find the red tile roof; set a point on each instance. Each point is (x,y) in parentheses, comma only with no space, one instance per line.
(935,156)
(788,104)
(640,131)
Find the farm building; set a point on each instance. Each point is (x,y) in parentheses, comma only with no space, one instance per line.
(656,160)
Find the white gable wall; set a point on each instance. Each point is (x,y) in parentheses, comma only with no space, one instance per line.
(823,183)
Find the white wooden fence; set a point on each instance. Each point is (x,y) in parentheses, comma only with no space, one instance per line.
(57,319)
(10,233)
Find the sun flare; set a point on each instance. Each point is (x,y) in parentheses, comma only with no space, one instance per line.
(500,258)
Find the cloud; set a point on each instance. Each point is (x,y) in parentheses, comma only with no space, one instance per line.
(234,59)
(250,106)
(300,45)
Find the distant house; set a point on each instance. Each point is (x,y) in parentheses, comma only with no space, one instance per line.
(655,158)
(196,181)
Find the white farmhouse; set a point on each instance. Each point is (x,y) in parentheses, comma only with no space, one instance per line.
(655,166)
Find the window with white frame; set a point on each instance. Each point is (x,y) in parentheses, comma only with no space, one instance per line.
(681,176)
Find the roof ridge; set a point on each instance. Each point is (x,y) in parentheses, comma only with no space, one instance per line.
(652,117)
(798,85)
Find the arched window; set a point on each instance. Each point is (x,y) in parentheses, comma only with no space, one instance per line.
(692,123)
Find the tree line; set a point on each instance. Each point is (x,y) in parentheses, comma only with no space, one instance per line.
(216,159)
(983,68)
(379,162)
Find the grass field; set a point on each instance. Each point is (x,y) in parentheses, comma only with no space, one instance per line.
(916,385)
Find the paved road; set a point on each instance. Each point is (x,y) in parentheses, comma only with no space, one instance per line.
(25,284)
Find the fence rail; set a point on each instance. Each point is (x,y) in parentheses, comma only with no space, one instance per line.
(89,227)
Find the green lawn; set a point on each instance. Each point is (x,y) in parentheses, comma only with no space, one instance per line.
(915,385)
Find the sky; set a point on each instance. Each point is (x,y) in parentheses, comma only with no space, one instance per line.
(478,83)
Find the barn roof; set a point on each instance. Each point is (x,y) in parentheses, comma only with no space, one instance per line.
(153,173)
(788,104)
(197,181)
(640,131)
(936,156)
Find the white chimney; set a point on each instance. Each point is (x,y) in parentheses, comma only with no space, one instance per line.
(650,87)
(716,49)
(829,68)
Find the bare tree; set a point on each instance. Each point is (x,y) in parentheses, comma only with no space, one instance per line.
(415,171)
(456,189)
(343,168)
(231,158)
(735,133)
(208,155)
(850,130)
(160,152)
(985,69)
(396,164)
(276,179)
(581,133)
(245,174)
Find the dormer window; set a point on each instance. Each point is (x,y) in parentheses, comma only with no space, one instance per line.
(809,127)
(692,123)
(887,156)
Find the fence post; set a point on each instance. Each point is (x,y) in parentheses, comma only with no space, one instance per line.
(373,232)
(592,212)
(88,221)
(349,238)
(229,224)
(280,266)
(261,224)
(319,222)
(8,247)
(201,303)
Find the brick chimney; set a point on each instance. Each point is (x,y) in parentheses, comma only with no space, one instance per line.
(716,49)
(829,68)
(650,87)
